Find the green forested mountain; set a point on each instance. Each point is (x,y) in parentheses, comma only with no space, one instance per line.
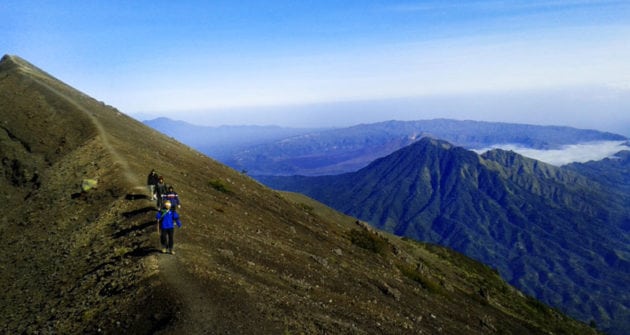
(612,172)
(555,233)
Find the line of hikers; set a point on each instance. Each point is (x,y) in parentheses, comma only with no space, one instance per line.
(161,192)
(167,205)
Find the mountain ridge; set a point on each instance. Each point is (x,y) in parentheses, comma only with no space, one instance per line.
(611,172)
(249,259)
(553,233)
(340,150)
(219,142)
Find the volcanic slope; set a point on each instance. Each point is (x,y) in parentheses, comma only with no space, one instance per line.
(249,260)
(554,233)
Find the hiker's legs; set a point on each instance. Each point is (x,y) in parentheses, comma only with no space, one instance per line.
(163,236)
(152,191)
(170,238)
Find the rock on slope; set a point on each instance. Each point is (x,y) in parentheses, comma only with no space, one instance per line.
(249,260)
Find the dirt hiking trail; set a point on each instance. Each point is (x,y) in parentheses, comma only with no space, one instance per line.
(195,311)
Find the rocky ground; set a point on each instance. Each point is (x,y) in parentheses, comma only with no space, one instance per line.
(249,260)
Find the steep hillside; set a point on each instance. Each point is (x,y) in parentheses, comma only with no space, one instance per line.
(249,260)
(553,233)
(612,172)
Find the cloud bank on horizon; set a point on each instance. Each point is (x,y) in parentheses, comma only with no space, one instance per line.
(581,152)
(279,62)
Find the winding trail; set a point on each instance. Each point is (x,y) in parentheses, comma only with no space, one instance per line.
(195,312)
(117,158)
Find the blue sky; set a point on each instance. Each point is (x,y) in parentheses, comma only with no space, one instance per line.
(336,63)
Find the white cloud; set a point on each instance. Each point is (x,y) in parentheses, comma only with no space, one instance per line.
(582,152)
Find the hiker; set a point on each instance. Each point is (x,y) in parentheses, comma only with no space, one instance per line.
(166,219)
(172,196)
(160,190)
(152,181)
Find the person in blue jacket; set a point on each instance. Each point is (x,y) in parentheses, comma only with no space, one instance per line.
(166,219)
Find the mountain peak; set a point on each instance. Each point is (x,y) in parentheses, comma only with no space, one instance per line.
(502,208)
(12,62)
(429,146)
(249,260)
(430,140)
(8,58)
(8,62)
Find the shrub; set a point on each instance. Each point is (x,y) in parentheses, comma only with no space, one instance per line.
(219,186)
(305,207)
(368,241)
(416,276)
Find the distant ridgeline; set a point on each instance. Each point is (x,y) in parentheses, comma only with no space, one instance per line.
(80,251)
(289,151)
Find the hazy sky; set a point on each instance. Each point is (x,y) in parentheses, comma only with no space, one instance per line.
(336,63)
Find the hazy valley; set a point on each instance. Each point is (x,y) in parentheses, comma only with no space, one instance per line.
(560,233)
(302,151)
(249,260)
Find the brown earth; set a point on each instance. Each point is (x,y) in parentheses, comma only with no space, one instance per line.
(249,260)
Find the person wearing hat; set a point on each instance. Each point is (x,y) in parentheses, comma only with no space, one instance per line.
(166,220)
(172,196)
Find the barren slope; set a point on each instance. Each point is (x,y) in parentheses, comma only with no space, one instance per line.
(249,260)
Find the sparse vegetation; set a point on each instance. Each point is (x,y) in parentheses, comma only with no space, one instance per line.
(219,186)
(259,267)
(307,208)
(419,278)
(499,208)
(121,251)
(368,241)
(538,306)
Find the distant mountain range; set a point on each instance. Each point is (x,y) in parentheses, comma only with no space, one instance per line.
(612,172)
(249,260)
(223,141)
(560,234)
(287,151)
(528,219)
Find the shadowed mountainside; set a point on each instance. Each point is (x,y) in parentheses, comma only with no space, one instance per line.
(249,260)
(612,172)
(553,233)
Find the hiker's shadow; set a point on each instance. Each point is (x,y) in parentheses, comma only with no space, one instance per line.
(132,229)
(143,251)
(139,227)
(131,196)
(130,214)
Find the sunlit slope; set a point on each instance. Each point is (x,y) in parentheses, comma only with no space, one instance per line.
(249,260)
